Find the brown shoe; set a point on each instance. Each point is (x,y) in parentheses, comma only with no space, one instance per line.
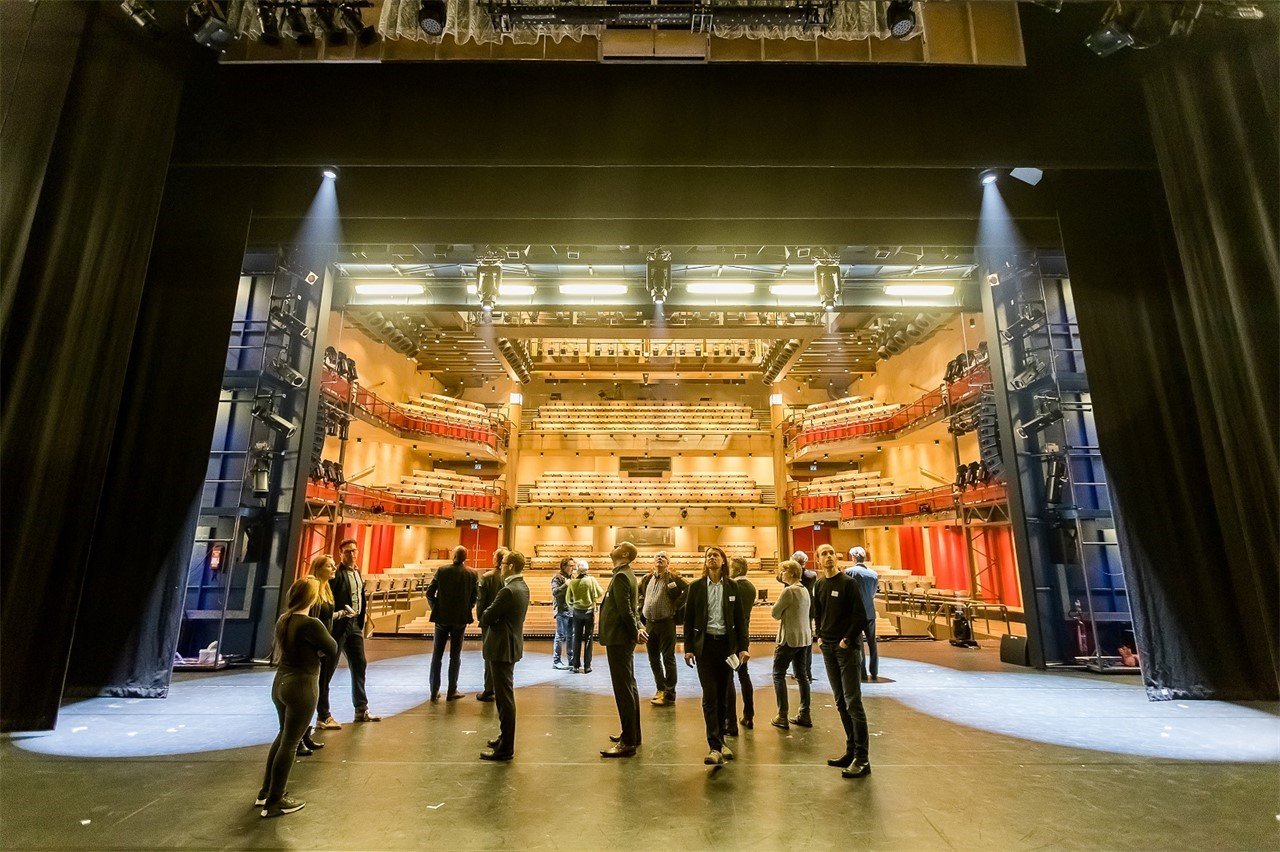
(660,700)
(328,724)
(366,716)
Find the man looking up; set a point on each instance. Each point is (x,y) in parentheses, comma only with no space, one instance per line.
(619,629)
(662,595)
(841,617)
(712,635)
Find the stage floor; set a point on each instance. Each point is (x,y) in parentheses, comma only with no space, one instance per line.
(967,753)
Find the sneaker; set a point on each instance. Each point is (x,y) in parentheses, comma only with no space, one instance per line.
(715,758)
(780,722)
(260,801)
(366,716)
(329,724)
(726,752)
(657,696)
(282,807)
(802,720)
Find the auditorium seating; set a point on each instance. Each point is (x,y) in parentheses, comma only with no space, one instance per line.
(465,492)
(828,492)
(430,415)
(559,487)
(645,416)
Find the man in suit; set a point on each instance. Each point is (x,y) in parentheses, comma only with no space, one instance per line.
(619,630)
(712,634)
(841,617)
(351,625)
(661,599)
(503,623)
(490,584)
(452,594)
(869,583)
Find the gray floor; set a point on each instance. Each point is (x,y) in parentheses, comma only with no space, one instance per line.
(966,752)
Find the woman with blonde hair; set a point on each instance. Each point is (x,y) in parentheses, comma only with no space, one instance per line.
(301,641)
(322,570)
(794,637)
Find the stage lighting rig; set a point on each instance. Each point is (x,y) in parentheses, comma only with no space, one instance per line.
(488,282)
(287,374)
(826,274)
(901,18)
(143,13)
(265,411)
(270,24)
(296,24)
(1033,370)
(1048,412)
(692,15)
(260,470)
(658,275)
(207,21)
(1055,478)
(352,18)
(1030,318)
(432,17)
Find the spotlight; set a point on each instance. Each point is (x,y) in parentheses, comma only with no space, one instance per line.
(733,513)
(260,470)
(826,273)
(432,17)
(1055,479)
(901,18)
(143,13)
(1030,318)
(329,172)
(1116,31)
(295,22)
(325,10)
(548,515)
(591,514)
(283,318)
(684,513)
(989,176)
(1048,412)
(207,22)
(1033,369)
(353,20)
(488,282)
(270,24)
(658,275)
(287,374)
(266,412)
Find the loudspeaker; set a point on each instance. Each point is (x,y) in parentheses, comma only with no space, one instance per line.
(1013,649)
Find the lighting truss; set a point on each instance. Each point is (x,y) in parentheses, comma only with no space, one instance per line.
(697,16)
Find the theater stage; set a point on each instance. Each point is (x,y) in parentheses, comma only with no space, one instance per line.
(967,752)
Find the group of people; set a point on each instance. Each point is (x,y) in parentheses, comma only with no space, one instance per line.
(326,616)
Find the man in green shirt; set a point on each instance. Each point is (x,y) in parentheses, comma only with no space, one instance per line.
(582,594)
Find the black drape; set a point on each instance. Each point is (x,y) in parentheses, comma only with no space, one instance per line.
(1180,320)
(95,107)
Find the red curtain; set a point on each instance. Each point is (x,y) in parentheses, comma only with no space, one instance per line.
(999,541)
(911,549)
(947,549)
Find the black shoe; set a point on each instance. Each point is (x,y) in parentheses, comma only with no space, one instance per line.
(303,751)
(435,696)
(802,720)
(619,751)
(453,696)
(860,769)
(587,670)
(747,723)
(282,807)
(310,743)
(490,754)
(485,696)
(731,733)
(841,762)
(494,743)
(615,738)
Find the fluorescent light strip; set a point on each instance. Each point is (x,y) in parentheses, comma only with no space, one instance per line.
(594,288)
(919,289)
(390,289)
(798,289)
(720,288)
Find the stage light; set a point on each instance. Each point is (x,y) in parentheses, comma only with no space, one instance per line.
(684,513)
(265,411)
(1048,412)
(207,21)
(919,289)
(1033,369)
(390,289)
(282,317)
(593,289)
(733,513)
(1114,33)
(325,10)
(260,470)
(1030,318)
(901,18)
(658,275)
(287,374)
(488,282)
(1027,174)
(143,13)
(548,515)
(797,289)
(1055,479)
(826,277)
(989,176)
(432,17)
(295,23)
(720,288)
(270,24)
(591,514)
(329,172)
(353,19)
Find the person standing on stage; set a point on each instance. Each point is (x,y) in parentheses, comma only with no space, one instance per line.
(300,642)
(490,584)
(503,623)
(869,583)
(808,579)
(841,617)
(564,617)
(795,636)
(323,569)
(452,594)
(619,630)
(712,635)
(582,593)
(352,624)
(662,595)
(746,600)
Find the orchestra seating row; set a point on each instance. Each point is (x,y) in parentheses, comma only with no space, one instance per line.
(645,416)
(612,489)
(826,493)
(466,492)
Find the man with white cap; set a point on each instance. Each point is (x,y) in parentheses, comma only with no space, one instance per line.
(869,583)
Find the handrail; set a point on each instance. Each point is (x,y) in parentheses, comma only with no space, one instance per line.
(379,500)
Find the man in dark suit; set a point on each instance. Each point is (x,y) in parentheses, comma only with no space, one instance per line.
(714,632)
(490,584)
(619,630)
(452,594)
(503,623)
(351,624)
(841,616)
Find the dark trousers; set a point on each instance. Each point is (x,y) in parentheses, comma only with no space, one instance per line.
(295,697)
(783,656)
(504,697)
(451,635)
(845,673)
(870,638)
(350,641)
(488,669)
(328,665)
(808,664)
(716,678)
(584,628)
(662,654)
(564,637)
(748,699)
(622,673)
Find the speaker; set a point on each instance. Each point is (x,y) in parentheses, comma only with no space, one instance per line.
(1013,649)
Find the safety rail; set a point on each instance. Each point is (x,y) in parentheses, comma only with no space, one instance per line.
(932,606)
(377,501)
(924,502)
(919,412)
(394,417)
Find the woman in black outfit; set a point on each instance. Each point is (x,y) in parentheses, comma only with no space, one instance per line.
(300,642)
(322,570)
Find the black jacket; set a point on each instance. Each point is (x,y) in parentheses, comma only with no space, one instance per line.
(746,600)
(342,597)
(695,617)
(677,591)
(619,614)
(503,621)
(489,584)
(838,610)
(452,594)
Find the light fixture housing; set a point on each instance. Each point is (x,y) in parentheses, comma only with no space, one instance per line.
(330,172)
(433,15)
(207,21)
(900,18)
(658,275)
(265,411)
(353,19)
(297,25)
(919,289)
(143,13)
(270,24)
(488,282)
(989,176)
(826,277)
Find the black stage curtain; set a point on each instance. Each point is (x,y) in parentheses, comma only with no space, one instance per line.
(1185,370)
(80,208)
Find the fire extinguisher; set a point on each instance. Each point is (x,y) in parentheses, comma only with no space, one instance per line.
(215,557)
